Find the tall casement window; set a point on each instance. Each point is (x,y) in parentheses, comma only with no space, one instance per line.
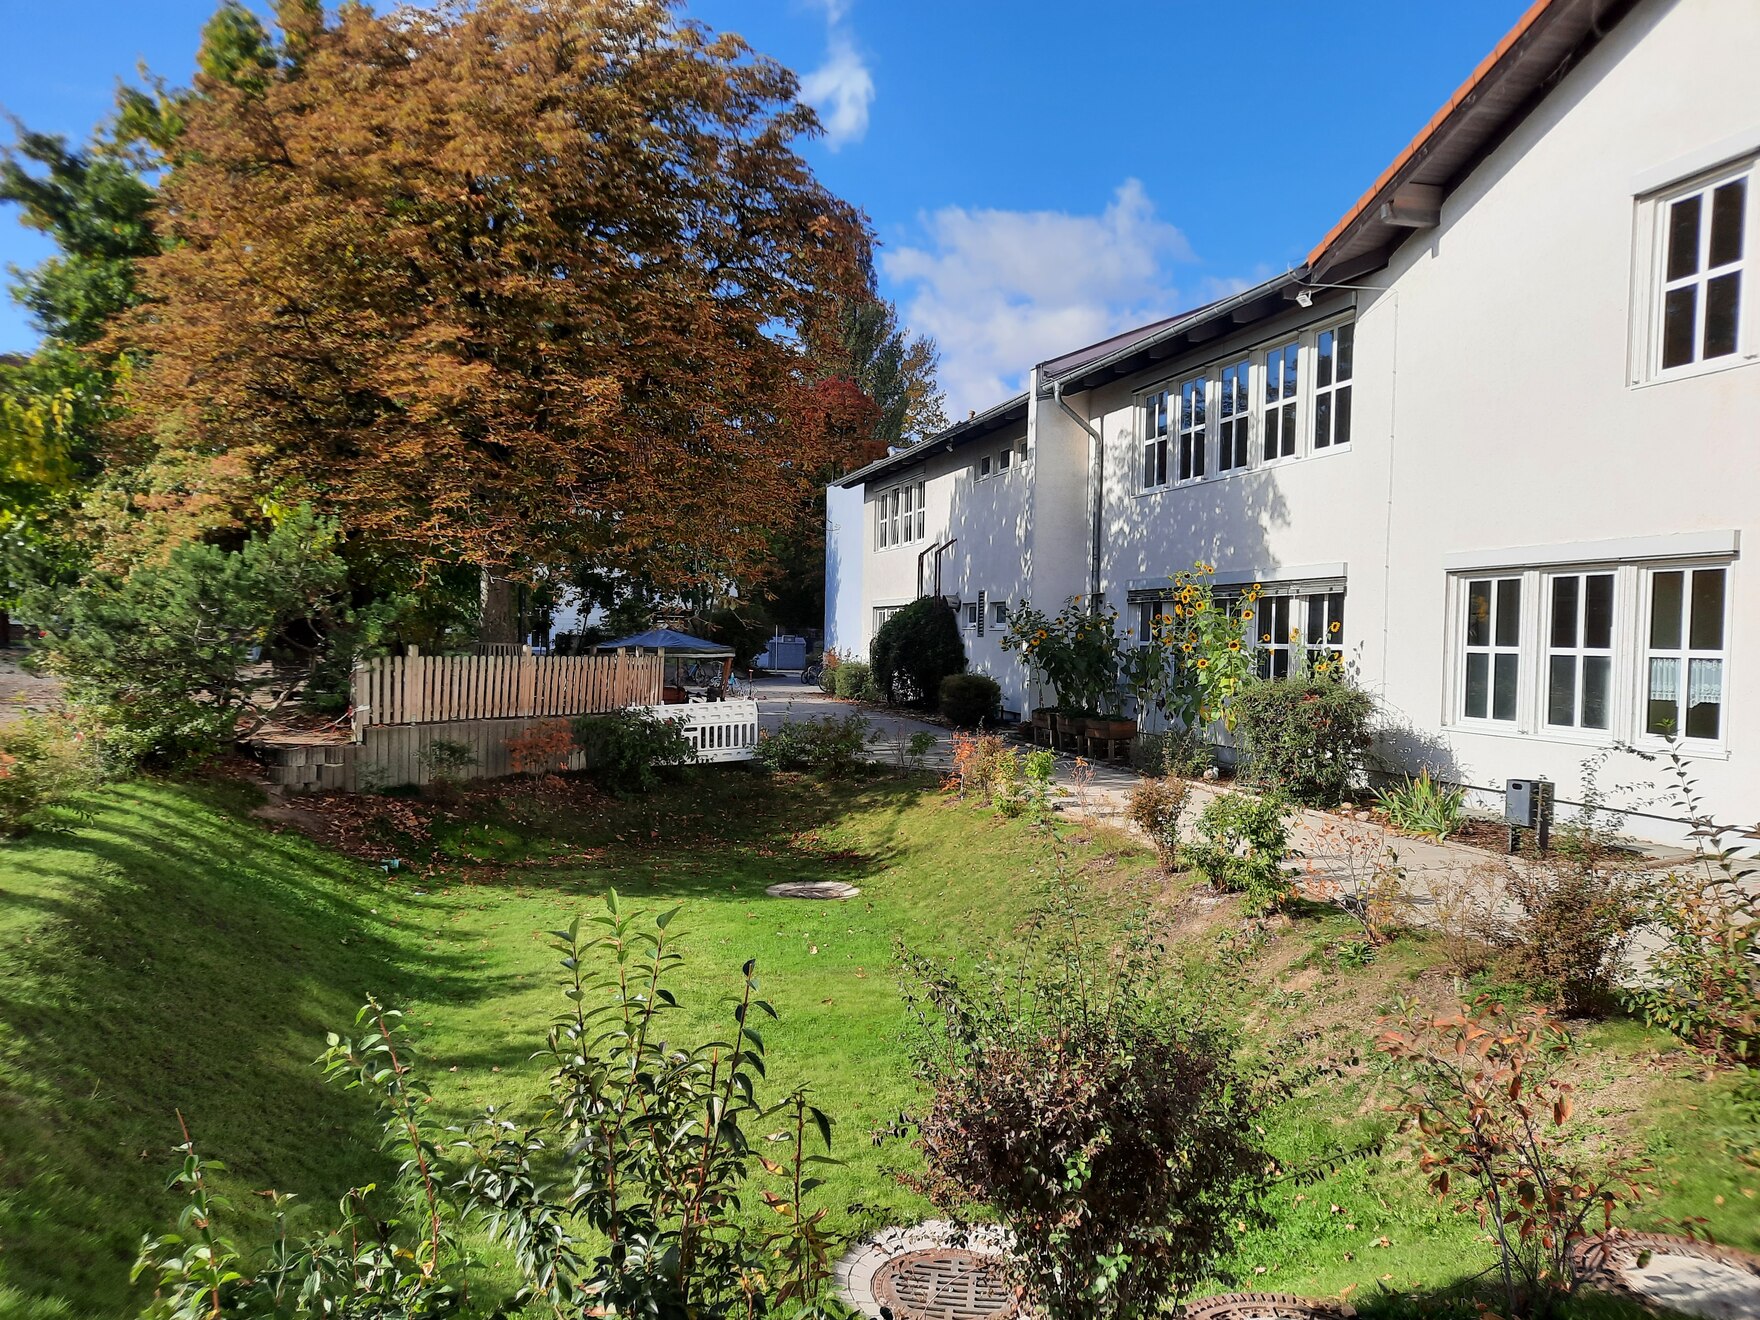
(1234,416)
(1703,259)
(1634,652)
(1281,380)
(1325,626)
(1273,636)
(1579,650)
(1193,434)
(1155,440)
(900,516)
(1493,633)
(1334,351)
(1685,659)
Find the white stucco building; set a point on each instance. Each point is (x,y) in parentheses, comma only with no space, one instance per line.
(1502,428)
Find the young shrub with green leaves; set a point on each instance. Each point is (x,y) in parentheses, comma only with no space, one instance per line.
(1101,1120)
(915,649)
(45,764)
(1241,847)
(853,681)
(658,1143)
(1574,917)
(834,748)
(970,701)
(1306,735)
(630,751)
(1422,805)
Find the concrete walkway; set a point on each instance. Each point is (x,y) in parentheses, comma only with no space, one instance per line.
(1437,873)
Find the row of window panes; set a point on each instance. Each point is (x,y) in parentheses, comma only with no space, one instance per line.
(899,515)
(1680,644)
(1260,393)
(1002,460)
(1276,627)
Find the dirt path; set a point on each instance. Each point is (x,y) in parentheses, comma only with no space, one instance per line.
(22,692)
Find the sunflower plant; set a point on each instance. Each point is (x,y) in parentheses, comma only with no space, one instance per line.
(1078,651)
(1206,639)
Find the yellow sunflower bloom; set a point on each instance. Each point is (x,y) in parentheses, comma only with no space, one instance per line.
(1235,645)
(1203,662)
(1246,614)
(1335,626)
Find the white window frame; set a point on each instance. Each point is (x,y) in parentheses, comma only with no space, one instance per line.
(900,518)
(1287,403)
(999,614)
(1491,648)
(1328,638)
(1340,387)
(1191,444)
(1580,652)
(1685,654)
(969,615)
(1162,451)
(1631,653)
(1234,429)
(1155,408)
(1650,275)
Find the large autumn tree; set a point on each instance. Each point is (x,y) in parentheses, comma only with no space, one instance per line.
(516,284)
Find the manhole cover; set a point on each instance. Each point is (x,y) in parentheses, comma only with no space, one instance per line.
(946,1284)
(813,889)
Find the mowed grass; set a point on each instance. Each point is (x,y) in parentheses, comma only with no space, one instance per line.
(175,954)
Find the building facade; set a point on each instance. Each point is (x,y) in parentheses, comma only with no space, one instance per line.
(1497,441)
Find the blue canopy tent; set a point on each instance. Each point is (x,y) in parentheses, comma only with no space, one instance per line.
(690,666)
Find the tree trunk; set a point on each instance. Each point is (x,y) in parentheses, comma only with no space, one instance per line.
(499,621)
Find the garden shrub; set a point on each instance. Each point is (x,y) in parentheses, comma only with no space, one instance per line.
(44,766)
(1037,790)
(1241,845)
(641,1217)
(970,701)
(543,749)
(629,751)
(854,681)
(1481,1087)
(835,748)
(1155,807)
(1106,1126)
(976,762)
(915,649)
(1177,751)
(1703,978)
(1421,805)
(159,662)
(1574,919)
(446,760)
(1305,734)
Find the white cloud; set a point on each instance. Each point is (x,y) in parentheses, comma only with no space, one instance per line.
(841,89)
(1002,290)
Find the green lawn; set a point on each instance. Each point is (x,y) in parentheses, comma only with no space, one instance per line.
(177,955)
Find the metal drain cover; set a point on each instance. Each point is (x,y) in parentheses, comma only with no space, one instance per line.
(812,889)
(946,1284)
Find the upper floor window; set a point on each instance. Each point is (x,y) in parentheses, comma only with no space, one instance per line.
(1281,381)
(1334,353)
(900,516)
(1295,396)
(1155,440)
(1234,415)
(1701,239)
(1193,434)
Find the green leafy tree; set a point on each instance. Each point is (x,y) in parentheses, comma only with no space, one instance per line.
(915,649)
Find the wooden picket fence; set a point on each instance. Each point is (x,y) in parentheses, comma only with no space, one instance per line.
(432,689)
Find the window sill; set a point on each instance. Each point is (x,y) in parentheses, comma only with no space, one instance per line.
(1562,738)
(1727,363)
(1295,460)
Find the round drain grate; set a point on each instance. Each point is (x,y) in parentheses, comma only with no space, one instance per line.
(1266,1306)
(945,1284)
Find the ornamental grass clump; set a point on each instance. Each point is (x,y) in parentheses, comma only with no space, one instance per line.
(1102,1119)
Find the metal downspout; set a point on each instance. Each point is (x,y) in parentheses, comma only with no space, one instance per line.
(1096,489)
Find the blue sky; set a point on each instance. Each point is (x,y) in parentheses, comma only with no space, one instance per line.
(1040,174)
